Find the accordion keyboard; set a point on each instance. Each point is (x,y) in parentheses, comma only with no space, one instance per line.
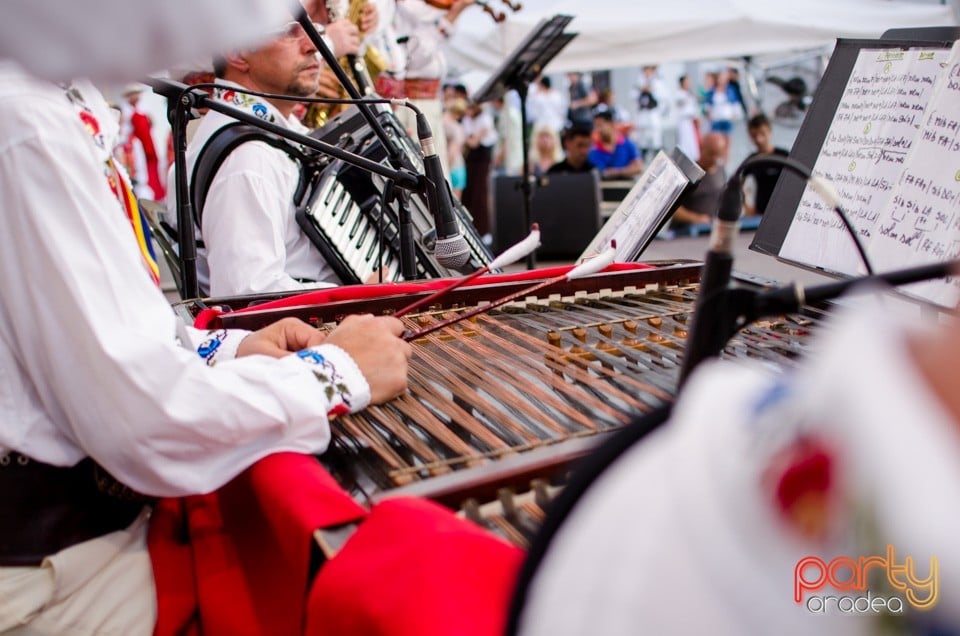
(348,228)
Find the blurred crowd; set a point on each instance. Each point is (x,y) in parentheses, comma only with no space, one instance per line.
(582,127)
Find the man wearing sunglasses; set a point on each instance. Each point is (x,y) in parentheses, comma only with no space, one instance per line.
(251,240)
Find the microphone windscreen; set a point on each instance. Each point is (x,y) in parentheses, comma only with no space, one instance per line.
(452,252)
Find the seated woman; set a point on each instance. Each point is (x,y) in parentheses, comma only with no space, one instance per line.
(545,150)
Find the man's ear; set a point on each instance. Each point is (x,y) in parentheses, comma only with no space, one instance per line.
(237,61)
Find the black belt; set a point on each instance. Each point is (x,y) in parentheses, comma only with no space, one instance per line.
(44,508)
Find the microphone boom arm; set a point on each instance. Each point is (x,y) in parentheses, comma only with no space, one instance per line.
(739,306)
(395,156)
(183,99)
(187,97)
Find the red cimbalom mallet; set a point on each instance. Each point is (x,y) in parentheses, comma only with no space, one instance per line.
(510,256)
(592,266)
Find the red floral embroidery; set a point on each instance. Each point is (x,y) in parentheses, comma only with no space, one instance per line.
(90,122)
(339,409)
(802,477)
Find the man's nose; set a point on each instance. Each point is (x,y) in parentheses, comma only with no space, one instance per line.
(307,47)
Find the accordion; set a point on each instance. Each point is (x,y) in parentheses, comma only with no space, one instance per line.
(340,206)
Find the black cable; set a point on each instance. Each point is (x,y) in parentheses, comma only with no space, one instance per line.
(817,184)
(306,100)
(714,319)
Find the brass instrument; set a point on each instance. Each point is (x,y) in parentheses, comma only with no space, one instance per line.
(364,71)
(374,61)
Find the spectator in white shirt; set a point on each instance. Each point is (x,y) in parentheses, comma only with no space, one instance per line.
(546,106)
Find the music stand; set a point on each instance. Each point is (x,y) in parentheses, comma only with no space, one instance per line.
(520,68)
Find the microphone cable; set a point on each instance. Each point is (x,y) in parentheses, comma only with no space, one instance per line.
(708,337)
(819,185)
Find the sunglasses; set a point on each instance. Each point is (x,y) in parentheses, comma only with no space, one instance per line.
(294,31)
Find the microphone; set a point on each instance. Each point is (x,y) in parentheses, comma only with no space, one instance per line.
(451,249)
(707,334)
(716,313)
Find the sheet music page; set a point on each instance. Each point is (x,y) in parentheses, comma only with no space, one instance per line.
(863,154)
(921,222)
(649,198)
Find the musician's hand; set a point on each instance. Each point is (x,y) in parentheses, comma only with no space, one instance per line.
(281,338)
(375,345)
(329,84)
(345,37)
(369,18)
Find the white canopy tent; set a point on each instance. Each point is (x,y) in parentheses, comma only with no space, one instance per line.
(616,33)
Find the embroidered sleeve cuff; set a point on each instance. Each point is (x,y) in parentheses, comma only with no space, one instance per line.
(342,383)
(219,344)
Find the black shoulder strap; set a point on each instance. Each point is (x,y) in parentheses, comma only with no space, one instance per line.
(583,477)
(215,151)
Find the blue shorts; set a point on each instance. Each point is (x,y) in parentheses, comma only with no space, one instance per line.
(724,126)
(458,178)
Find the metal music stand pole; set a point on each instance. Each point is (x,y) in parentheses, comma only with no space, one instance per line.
(518,71)
(526,179)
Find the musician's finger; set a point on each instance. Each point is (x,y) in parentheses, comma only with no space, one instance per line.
(280,339)
(345,37)
(378,352)
(299,335)
(391,324)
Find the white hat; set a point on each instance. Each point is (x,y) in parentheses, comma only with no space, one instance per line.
(133,89)
(184,71)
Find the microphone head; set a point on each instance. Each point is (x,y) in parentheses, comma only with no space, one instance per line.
(731,199)
(452,252)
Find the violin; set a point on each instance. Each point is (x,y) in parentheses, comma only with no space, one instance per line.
(498,16)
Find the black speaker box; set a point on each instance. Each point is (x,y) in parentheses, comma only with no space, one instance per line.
(567,207)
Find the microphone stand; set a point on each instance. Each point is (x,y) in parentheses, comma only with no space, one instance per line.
(734,308)
(181,111)
(706,336)
(184,100)
(526,179)
(408,262)
(712,319)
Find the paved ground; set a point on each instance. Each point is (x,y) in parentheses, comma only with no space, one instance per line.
(745,260)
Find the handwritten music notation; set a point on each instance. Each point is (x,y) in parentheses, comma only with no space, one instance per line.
(893,153)
(921,221)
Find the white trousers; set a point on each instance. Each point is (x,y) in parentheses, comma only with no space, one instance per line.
(101,586)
